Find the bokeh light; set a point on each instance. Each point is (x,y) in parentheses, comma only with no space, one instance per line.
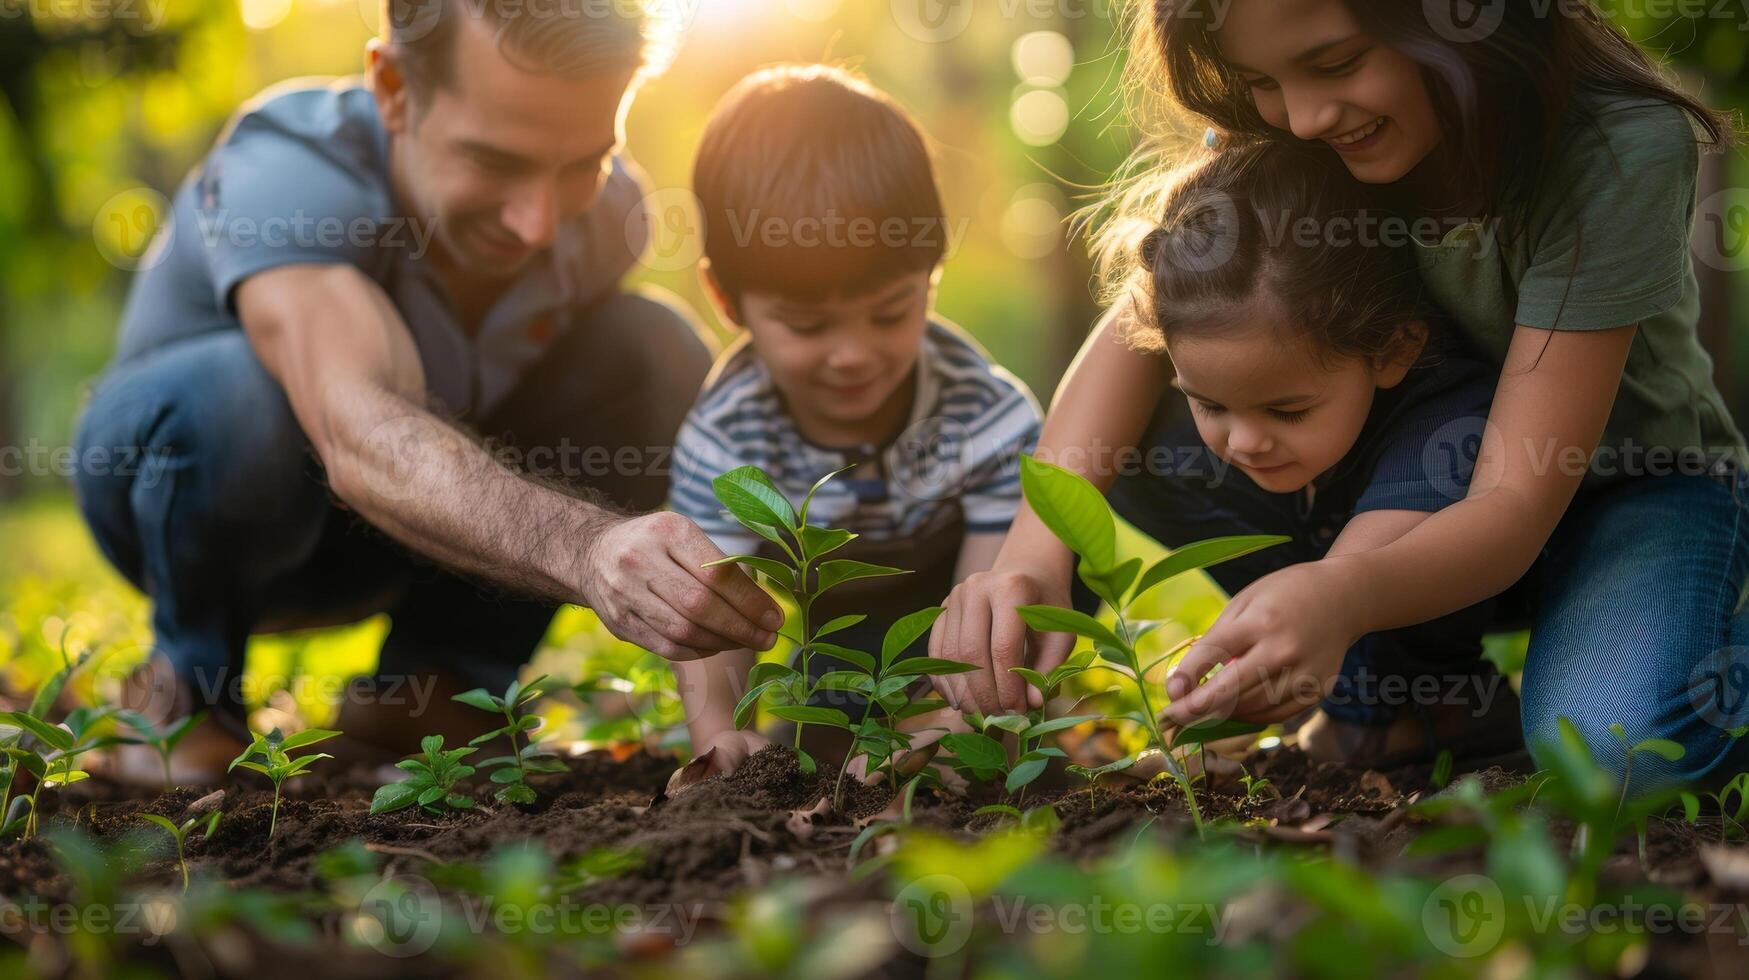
(1043,58)
(1032,224)
(261,15)
(1040,117)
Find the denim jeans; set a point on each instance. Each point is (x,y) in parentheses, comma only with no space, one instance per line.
(1635,606)
(227,524)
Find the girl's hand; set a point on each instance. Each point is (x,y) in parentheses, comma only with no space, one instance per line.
(1282,639)
(980,627)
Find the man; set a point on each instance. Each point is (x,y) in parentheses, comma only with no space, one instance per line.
(357,279)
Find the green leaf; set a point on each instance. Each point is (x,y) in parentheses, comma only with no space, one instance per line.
(905,632)
(819,541)
(1025,772)
(753,499)
(1058,724)
(845,680)
(1111,584)
(518,793)
(808,501)
(431,795)
(810,715)
(1033,678)
(1007,723)
(301,761)
(175,733)
(308,736)
(52,735)
(1051,619)
(1074,510)
(921,706)
(508,774)
(922,666)
(394,796)
(1214,731)
(1662,747)
(164,822)
(841,570)
(480,698)
(781,574)
(976,751)
(745,707)
(846,654)
(833,626)
(1202,554)
(1001,808)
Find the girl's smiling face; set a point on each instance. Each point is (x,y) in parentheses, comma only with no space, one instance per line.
(1313,72)
(1272,407)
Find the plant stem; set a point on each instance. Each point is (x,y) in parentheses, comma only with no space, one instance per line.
(273,824)
(1176,770)
(168,785)
(182,862)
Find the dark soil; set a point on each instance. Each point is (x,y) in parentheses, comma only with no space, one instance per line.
(729,833)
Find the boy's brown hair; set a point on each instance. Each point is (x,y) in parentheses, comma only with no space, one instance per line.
(812,183)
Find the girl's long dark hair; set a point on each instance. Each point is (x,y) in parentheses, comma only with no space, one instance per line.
(1535,63)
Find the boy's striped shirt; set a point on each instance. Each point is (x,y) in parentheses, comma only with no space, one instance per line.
(969,424)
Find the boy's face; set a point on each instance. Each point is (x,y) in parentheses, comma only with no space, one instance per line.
(1272,408)
(844,365)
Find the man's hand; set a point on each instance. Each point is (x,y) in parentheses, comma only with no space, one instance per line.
(1282,639)
(645,577)
(980,627)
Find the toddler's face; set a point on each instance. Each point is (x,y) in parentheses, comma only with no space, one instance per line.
(844,365)
(1268,404)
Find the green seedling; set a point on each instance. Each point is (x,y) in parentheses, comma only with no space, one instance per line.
(526,757)
(1077,513)
(1732,802)
(1442,765)
(270,755)
(1092,774)
(179,833)
(51,754)
(162,740)
(1256,787)
(25,745)
(432,784)
(757,504)
(646,687)
(984,757)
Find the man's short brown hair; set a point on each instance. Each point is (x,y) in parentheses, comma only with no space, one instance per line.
(813,183)
(575,38)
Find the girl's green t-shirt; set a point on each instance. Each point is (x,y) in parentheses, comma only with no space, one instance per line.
(1607,244)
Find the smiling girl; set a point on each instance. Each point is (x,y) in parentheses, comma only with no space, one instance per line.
(1550,172)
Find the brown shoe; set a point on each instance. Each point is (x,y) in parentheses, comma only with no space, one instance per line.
(1479,731)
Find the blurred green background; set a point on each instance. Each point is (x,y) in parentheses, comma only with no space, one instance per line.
(106,104)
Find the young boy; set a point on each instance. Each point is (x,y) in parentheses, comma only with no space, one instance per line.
(824,239)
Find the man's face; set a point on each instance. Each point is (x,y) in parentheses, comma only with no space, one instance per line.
(500,156)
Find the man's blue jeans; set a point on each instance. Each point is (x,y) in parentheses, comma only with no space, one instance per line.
(1635,606)
(225,521)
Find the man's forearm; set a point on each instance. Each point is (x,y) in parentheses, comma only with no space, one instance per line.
(710,689)
(435,489)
